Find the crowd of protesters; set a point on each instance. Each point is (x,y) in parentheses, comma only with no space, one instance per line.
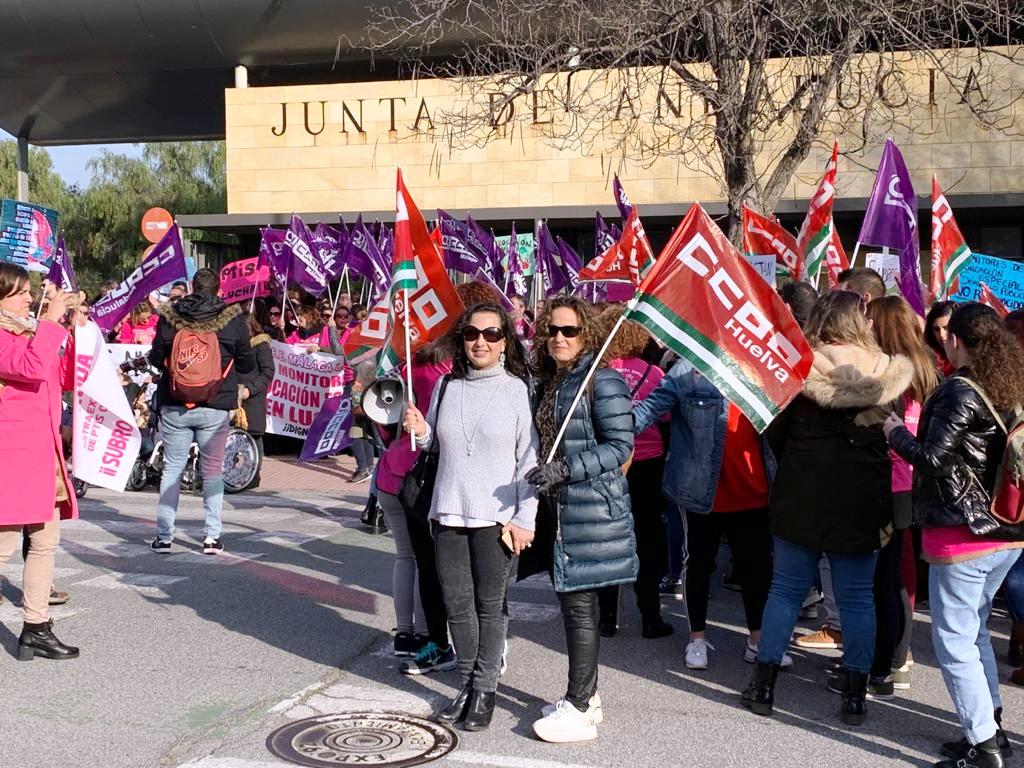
(868,494)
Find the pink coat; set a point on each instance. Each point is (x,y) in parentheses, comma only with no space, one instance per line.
(34,374)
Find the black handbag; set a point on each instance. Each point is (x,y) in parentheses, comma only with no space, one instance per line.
(418,485)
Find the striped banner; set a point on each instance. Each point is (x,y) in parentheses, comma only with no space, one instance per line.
(950,254)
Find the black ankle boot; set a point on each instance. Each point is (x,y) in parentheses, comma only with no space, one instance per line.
(608,624)
(39,640)
(855,691)
(654,626)
(759,697)
(373,516)
(983,755)
(958,748)
(456,710)
(480,711)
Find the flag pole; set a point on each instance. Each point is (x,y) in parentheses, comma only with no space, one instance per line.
(408,363)
(42,296)
(586,379)
(348,285)
(856,250)
(334,308)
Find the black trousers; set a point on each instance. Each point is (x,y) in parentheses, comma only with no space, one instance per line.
(579,613)
(750,540)
(648,504)
(431,598)
(892,607)
(474,567)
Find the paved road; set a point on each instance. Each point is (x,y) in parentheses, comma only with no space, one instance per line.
(192,661)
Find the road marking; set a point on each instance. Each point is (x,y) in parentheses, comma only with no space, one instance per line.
(106,549)
(507,761)
(283,538)
(342,697)
(138,581)
(224,558)
(12,612)
(233,762)
(17,568)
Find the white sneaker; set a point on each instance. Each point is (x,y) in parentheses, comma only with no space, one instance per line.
(503,667)
(565,724)
(595,711)
(750,656)
(697,653)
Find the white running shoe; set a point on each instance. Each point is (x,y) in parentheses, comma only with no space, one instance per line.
(595,711)
(503,667)
(750,656)
(565,724)
(697,653)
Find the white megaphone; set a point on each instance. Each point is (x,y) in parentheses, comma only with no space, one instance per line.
(384,401)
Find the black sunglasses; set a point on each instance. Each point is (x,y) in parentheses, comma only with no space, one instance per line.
(568,331)
(275,313)
(491,335)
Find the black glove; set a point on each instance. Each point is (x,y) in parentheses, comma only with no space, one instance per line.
(548,476)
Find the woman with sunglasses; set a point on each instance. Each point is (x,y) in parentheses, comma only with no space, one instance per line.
(483,508)
(832,495)
(594,542)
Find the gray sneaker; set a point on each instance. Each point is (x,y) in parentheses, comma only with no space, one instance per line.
(430,658)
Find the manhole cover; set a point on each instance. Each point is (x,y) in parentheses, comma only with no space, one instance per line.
(362,738)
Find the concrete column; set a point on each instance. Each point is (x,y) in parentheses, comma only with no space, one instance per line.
(241,76)
(22,169)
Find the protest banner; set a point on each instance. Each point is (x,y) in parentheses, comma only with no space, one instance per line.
(1003,277)
(708,305)
(888,266)
(525,248)
(240,279)
(302,382)
(766,265)
(328,434)
(105,438)
(28,235)
(163,265)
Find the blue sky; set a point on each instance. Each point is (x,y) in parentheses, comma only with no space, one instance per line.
(70,162)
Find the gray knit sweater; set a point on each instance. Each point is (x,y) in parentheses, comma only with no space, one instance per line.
(486,444)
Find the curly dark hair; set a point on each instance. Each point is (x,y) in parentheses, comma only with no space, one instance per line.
(591,333)
(515,355)
(996,359)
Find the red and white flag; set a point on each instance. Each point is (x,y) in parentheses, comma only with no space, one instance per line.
(950,254)
(763,236)
(706,303)
(625,261)
(817,230)
(987,297)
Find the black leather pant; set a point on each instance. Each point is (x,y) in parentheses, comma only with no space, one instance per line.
(579,612)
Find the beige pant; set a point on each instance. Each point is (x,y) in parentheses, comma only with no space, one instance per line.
(43,539)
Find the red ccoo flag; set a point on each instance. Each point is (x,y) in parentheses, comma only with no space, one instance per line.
(990,299)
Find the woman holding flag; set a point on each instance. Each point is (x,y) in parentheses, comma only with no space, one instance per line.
(594,543)
(36,364)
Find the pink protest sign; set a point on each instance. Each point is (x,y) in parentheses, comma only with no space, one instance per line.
(240,278)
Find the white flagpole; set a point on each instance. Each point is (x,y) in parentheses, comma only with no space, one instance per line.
(334,308)
(856,250)
(408,362)
(42,296)
(586,380)
(348,286)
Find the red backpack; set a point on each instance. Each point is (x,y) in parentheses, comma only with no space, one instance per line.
(1008,496)
(194,367)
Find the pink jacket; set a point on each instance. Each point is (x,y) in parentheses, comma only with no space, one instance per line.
(144,333)
(399,457)
(34,373)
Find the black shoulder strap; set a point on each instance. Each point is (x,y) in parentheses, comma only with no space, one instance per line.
(641,382)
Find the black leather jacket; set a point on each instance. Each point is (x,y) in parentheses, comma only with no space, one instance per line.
(957,431)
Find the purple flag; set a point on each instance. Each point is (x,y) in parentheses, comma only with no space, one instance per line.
(304,266)
(571,264)
(364,258)
(61,272)
(548,262)
(625,207)
(515,275)
(482,243)
(329,243)
(328,434)
(272,253)
(603,237)
(461,248)
(891,221)
(164,264)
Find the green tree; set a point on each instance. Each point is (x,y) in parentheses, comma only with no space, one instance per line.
(47,188)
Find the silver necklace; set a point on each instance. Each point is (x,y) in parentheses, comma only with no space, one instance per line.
(471,436)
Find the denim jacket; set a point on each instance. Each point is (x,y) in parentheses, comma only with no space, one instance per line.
(700,414)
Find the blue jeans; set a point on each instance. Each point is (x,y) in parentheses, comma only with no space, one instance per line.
(180,427)
(960,596)
(853,579)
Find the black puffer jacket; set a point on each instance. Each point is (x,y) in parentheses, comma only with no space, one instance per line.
(205,314)
(833,488)
(597,546)
(258,382)
(956,431)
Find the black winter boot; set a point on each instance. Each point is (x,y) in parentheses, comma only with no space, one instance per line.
(39,640)
(373,516)
(456,710)
(957,748)
(854,708)
(480,711)
(759,696)
(983,755)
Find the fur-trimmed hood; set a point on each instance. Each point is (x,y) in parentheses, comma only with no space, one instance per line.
(259,338)
(846,376)
(218,322)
